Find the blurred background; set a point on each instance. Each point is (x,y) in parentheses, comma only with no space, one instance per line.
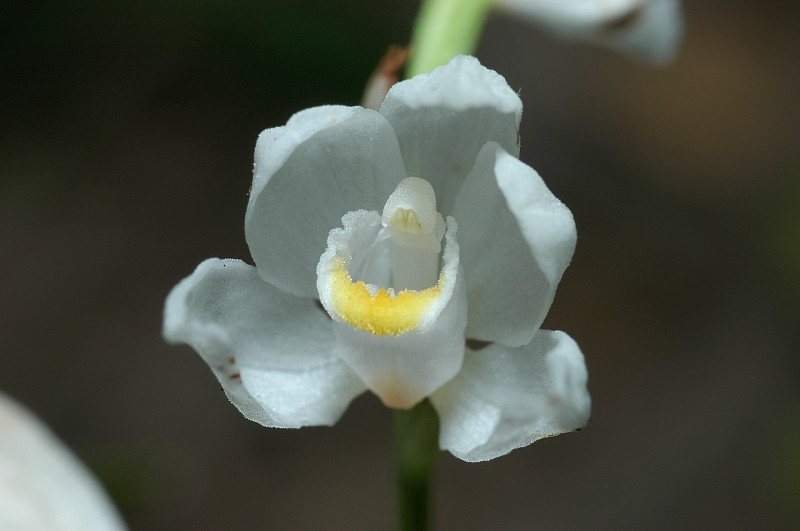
(125,159)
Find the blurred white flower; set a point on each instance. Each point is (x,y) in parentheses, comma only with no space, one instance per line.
(43,486)
(649,29)
(416,227)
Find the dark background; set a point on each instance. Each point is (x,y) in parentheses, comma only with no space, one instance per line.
(125,155)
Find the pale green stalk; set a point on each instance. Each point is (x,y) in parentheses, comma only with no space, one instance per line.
(444,29)
(416,450)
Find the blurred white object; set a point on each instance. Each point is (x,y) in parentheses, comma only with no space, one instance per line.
(43,486)
(648,29)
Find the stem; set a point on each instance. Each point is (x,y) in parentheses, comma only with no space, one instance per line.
(416,433)
(444,29)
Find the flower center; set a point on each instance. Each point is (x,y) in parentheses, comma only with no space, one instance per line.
(414,231)
(395,262)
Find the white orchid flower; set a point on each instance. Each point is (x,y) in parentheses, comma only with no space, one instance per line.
(649,29)
(415,227)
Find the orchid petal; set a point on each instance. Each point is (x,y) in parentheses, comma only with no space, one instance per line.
(443,118)
(654,33)
(649,29)
(270,350)
(570,13)
(506,398)
(325,162)
(516,240)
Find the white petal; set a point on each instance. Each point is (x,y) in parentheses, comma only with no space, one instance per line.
(654,34)
(271,351)
(444,117)
(400,365)
(516,240)
(570,13)
(506,398)
(649,29)
(42,484)
(325,162)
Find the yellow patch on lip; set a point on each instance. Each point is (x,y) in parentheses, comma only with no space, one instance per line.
(383,313)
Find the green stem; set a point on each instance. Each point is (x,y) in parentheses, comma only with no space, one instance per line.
(444,29)
(416,433)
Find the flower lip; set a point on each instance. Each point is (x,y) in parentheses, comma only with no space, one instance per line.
(366,305)
(401,358)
